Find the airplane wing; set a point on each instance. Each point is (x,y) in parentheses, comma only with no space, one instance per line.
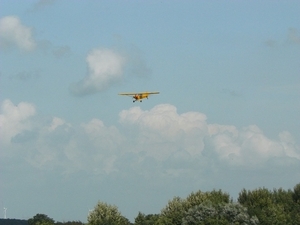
(151,93)
(138,93)
(128,94)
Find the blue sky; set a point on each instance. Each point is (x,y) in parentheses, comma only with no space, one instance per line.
(227,116)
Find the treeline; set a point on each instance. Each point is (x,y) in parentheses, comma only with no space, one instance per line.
(13,222)
(260,206)
(38,219)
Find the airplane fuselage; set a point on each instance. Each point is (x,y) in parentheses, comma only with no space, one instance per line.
(139,97)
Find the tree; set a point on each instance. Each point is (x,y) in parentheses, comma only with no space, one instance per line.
(105,214)
(296,199)
(41,219)
(296,194)
(13,222)
(151,219)
(174,212)
(140,219)
(255,201)
(70,223)
(271,208)
(208,213)
(143,219)
(213,196)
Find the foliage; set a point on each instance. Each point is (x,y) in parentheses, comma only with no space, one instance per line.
(208,213)
(140,219)
(13,222)
(40,219)
(278,207)
(105,214)
(143,219)
(174,212)
(69,223)
(296,194)
(214,196)
(295,212)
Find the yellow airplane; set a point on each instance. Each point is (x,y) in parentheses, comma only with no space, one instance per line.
(139,95)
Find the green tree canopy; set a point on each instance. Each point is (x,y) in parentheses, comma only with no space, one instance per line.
(70,223)
(296,209)
(208,213)
(296,194)
(105,214)
(41,219)
(143,219)
(175,210)
(278,207)
(196,198)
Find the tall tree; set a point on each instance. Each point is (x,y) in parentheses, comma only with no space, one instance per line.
(70,223)
(105,214)
(140,219)
(271,207)
(296,199)
(41,219)
(174,212)
(296,194)
(143,219)
(208,213)
(196,198)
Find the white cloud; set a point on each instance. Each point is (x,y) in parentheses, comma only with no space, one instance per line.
(175,143)
(289,145)
(162,131)
(249,146)
(14,33)
(107,139)
(15,118)
(164,119)
(190,132)
(105,67)
(56,122)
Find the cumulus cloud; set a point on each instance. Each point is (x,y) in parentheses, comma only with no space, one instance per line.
(161,132)
(14,119)
(14,33)
(191,133)
(105,67)
(248,146)
(159,139)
